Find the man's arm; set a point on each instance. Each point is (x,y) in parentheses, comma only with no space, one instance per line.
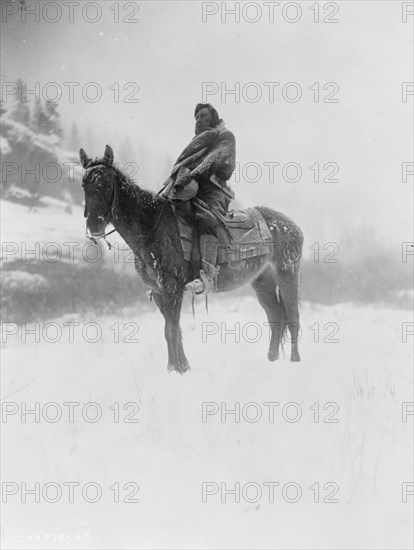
(198,143)
(221,159)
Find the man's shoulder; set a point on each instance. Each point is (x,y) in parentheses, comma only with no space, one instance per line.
(224,133)
(226,136)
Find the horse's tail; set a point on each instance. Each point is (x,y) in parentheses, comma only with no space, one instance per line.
(283,319)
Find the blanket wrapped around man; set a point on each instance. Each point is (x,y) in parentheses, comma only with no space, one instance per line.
(209,160)
(197,184)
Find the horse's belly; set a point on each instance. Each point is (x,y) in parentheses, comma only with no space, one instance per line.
(236,274)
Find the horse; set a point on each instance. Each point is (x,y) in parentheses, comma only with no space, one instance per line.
(147,223)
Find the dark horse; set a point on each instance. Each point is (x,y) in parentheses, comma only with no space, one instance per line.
(148,225)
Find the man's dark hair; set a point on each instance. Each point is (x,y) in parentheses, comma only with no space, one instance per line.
(215,119)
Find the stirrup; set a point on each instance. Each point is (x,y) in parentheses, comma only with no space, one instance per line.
(205,284)
(196,286)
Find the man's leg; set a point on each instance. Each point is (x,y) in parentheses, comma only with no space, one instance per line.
(185,223)
(209,246)
(208,274)
(217,203)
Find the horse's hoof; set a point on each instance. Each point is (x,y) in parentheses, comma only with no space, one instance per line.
(174,373)
(180,369)
(295,358)
(273,355)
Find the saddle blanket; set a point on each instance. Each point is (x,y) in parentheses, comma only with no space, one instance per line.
(247,236)
(250,236)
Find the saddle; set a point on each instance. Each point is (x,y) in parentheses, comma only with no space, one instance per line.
(246,236)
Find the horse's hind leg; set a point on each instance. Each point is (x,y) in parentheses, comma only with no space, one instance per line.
(265,288)
(288,282)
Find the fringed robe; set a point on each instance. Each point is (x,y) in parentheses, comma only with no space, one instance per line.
(211,153)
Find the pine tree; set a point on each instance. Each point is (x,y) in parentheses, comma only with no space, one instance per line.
(39,119)
(15,107)
(53,125)
(46,120)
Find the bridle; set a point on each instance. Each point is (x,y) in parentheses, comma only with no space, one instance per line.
(95,239)
(87,233)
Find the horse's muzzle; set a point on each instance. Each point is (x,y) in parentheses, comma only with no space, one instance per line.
(98,231)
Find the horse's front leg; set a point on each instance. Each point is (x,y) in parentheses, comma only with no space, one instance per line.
(170,307)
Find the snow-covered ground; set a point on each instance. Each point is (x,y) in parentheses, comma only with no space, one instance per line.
(334,422)
(171,451)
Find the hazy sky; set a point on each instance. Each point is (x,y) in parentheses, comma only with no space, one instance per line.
(170,52)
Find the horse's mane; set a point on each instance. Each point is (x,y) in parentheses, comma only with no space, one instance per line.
(130,186)
(152,210)
(143,195)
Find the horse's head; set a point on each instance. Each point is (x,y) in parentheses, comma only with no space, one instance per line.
(99,185)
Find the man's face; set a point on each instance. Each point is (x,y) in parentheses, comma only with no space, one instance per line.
(203,120)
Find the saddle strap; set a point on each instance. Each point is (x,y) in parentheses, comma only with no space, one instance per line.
(258,218)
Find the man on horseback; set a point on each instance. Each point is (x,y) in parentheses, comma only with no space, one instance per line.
(198,188)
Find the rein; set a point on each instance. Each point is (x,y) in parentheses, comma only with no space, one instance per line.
(95,239)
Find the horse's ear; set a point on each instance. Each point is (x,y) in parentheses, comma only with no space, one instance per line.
(108,156)
(83,158)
